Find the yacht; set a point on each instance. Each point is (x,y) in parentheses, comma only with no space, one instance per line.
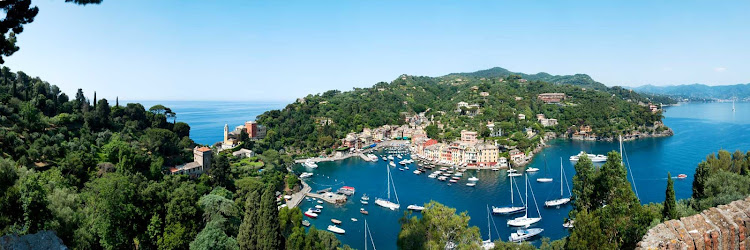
(488,244)
(473,178)
(512,208)
(336,229)
(415,207)
(524,234)
(525,220)
(592,157)
(372,157)
(568,224)
(310,164)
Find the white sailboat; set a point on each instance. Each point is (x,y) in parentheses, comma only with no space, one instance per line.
(488,244)
(525,220)
(544,179)
(509,209)
(562,200)
(732,104)
(387,203)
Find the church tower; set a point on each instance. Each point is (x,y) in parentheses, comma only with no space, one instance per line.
(226,133)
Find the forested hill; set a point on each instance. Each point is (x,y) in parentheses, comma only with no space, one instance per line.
(582,80)
(297,128)
(700,92)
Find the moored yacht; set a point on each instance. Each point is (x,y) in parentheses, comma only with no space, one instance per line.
(415,207)
(525,220)
(524,234)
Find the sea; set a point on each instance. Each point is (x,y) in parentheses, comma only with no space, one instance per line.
(699,129)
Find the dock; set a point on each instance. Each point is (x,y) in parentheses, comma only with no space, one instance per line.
(329,197)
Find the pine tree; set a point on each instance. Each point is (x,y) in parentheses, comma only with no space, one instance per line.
(270,232)
(670,204)
(248,236)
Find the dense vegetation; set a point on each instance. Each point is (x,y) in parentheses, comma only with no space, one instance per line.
(699,92)
(298,127)
(94,173)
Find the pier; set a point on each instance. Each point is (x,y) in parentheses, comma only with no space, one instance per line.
(329,197)
(298,196)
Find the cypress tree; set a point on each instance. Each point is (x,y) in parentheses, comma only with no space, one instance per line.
(94,99)
(248,235)
(117,101)
(270,231)
(670,204)
(13,89)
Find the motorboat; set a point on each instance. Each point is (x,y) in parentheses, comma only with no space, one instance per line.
(305,175)
(306,223)
(568,224)
(531,170)
(364,202)
(363,211)
(512,209)
(417,172)
(562,200)
(459,174)
(514,174)
(320,202)
(456,178)
(391,164)
(310,164)
(471,184)
(442,178)
(335,221)
(453,181)
(406,168)
(317,211)
(336,229)
(318,206)
(311,214)
(432,176)
(390,157)
(682,176)
(524,234)
(372,157)
(415,207)
(473,178)
(354,219)
(495,169)
(365,197)
(400,169)
(525,220)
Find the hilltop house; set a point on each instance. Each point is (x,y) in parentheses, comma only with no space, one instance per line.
(551,97)
(201,163)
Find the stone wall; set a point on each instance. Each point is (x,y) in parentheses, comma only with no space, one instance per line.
(42,240)
(722,227)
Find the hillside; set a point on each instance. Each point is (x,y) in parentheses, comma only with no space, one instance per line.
(699,92)
(582,80)
(495,98)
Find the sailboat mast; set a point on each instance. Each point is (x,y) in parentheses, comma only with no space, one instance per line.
(489,230)
(561,178)
(511,191)
(365,234)
(621,156)
(388,177)
(526,206)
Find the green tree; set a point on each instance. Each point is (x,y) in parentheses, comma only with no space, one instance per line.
(249,234)
(220,171)
(670,204)
(34,202)
(439,225)
(270,232)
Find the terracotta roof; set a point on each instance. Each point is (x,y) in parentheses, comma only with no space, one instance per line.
(204,149)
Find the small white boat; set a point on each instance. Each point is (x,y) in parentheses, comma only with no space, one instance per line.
(415,207)
(592,157)
(495,169)
(306,223)
(310,164)
(336,229)
(473,178)
(459,174)
(442,178)
(453,181)
(417,172)
(354,219)
(568,224)
(365,197)
(531,170)
(305,175)
(318,206)
(390,157)
(335,221)
(510,170)
(524,234)
(514,174)
(364,202)
(407,168)
(392,164)
(471,184)
(399,156)
(432,176)
(320,202)
(544,179)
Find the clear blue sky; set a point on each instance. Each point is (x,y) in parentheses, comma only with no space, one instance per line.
(280,50)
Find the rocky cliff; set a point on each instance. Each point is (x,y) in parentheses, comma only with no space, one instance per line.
(722,227)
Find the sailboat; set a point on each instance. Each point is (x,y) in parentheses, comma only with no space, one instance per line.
(488,244)
(544,179)
(387,203)
(525,220)
(732,104)
(367,233)
(509,209)
(562,200)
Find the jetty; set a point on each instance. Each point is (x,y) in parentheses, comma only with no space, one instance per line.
(298,196)
(329,197)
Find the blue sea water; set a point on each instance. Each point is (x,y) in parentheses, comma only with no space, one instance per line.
(207,118)
(700,129)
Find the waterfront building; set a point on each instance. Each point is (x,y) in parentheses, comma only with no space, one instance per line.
(487,154)
(251,127)
(517,155)
(502,162)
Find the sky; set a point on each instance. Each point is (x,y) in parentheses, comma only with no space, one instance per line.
(280,50)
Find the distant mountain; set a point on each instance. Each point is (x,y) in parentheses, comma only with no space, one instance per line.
(582,80)
(699,92)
